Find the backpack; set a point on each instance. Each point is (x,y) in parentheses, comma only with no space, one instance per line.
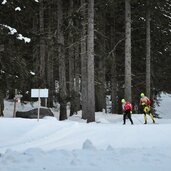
(148,102)
(127,106)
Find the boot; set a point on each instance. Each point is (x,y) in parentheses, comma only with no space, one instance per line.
(145,118)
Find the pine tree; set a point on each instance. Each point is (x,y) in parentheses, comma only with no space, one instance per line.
(61,58)
(128,76)
(84,59)
(148,49)
(90,53)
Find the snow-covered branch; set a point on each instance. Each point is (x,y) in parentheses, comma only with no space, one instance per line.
(13,31)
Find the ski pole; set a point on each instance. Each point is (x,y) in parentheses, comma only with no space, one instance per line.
(138,119)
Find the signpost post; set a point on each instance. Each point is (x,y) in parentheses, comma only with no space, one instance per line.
(17,99)
(38,93)
(39,103)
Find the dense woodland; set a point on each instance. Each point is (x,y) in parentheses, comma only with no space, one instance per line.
(83,50)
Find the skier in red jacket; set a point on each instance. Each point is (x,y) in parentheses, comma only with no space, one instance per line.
(127,110)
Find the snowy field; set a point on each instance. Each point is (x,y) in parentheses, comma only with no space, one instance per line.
(52,145)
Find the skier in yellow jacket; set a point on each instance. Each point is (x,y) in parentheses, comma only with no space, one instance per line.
(145,102)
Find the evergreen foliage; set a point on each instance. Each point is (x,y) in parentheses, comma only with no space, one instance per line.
(19,58)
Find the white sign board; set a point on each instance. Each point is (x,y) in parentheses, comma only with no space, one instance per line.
(39,93)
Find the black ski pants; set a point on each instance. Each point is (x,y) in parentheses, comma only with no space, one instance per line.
(127,114)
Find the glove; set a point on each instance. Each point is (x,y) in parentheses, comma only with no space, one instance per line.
(130,112)
(142,103)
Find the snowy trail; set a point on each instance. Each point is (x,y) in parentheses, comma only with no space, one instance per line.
(74,145)
(51,134)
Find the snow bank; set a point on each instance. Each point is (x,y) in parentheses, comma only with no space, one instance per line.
(164,108)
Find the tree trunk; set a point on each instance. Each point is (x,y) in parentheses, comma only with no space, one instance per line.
(50,59)
(77,78)
(114,85)
(100,98)
(90,53)
(148,49)
(128,50)
(61,57)
(42,45)
(71,63)
(1,103)
(84,75)
(100,86)
(36,50)
(114,94)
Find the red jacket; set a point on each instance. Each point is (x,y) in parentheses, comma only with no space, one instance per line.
(127,106)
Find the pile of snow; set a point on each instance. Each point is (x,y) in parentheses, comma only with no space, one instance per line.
(71,145)
(21,37)
(4,2)
(17,9)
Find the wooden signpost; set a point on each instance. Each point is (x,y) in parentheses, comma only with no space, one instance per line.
(17,99)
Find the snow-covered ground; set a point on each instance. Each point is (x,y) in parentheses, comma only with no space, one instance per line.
(165,105)
(107,145)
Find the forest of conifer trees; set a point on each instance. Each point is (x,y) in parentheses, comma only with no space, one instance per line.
(83,50)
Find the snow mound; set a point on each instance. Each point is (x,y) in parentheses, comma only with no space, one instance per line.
(88,145)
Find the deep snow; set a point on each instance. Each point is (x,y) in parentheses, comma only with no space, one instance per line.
(51,145)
